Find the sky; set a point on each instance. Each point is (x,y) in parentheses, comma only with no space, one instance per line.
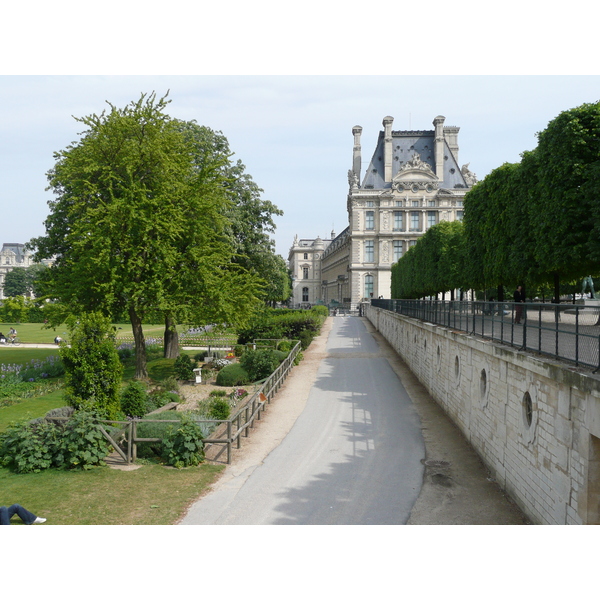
(286,83)
(293,132)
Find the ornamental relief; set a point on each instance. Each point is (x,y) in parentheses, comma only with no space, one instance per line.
(385,220)
(385,252)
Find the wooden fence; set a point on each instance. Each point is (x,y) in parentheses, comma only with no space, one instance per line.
(124,438)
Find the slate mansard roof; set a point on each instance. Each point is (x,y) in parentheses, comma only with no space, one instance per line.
(404,145)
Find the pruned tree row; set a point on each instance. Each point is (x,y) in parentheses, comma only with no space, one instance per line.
(535,223)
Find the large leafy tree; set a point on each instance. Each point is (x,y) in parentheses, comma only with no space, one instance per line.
(564,211)
(139,226)
(248,222)
(23,281)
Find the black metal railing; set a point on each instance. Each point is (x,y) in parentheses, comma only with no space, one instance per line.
(564,331)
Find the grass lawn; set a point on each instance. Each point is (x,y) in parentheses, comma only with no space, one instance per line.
(150,495)
(21,355)
(31,408)
(37,333)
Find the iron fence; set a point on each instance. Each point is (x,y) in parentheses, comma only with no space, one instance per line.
(568,332)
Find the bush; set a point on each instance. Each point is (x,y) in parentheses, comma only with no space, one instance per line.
(170,384)
(232,375)
(134,399)
(284,345)
(29,448)
(184,367)
(306,337)
(183,445)
(200,356)
(82,444)
(219,409)
(259,363)
(93,369)
(34,446)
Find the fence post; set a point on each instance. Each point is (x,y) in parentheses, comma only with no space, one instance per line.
(228,442)
(133,437)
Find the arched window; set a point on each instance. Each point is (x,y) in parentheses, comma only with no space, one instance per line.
(368,286)
(305,255)
(304,294)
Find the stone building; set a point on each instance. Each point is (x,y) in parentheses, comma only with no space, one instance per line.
(304,263)
(413,181)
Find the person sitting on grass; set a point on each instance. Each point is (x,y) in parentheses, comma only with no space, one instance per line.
(7,512)
(2,338)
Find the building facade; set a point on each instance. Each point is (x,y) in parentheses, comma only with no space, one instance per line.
(12,256)
(304,263)
(413,181)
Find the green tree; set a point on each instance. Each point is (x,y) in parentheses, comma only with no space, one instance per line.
(139,226)
(93,370)
(15,309)
(15,283)
(23,281)
(564,211)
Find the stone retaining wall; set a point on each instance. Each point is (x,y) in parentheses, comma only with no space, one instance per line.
(534,422)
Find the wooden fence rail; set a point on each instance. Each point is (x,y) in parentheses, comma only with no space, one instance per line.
(124,438)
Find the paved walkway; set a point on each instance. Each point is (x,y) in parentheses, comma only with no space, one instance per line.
(352,438)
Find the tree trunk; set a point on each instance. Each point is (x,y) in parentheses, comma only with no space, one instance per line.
(500,293)
(556,288)
(141,371)
(171,338)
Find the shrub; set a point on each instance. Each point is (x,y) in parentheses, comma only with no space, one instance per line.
(306,337)
(82,445)
(184,367)
(232,375)
(183,445)
(29,448)
(284,345)
(134,399)
(259,363)
(200,356)
(93,370)
(218,394)
(159,398)
(34,446)
(170,384)
(219,409)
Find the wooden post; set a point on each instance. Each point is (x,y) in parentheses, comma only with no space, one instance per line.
(134,435)
(228,442)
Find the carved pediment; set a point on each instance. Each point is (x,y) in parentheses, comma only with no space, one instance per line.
(415,168)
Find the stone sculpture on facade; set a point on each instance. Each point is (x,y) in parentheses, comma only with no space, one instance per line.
(470,177)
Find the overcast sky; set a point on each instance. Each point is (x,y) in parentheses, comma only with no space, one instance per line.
(280,85)
(293,133)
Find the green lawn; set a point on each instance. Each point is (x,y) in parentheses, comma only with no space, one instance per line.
(21,355)
(150,495)
(37,333)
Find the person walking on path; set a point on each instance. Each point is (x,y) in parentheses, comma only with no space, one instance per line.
(7,512)
(519,298)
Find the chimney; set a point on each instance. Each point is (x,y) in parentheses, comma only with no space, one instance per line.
(387,148)
(438,122)
(356,159)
